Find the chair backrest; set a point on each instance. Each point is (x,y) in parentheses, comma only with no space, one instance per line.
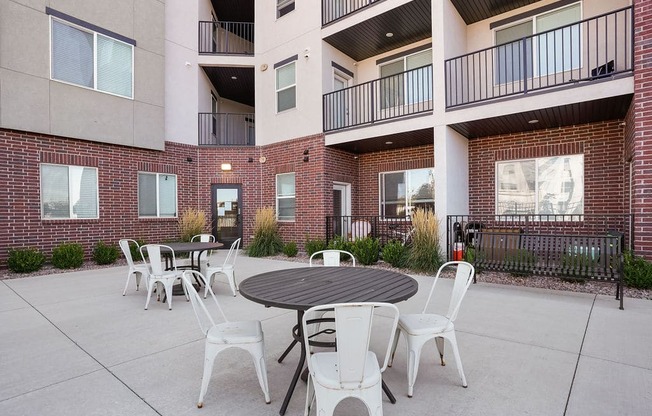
(232,254)
(353,325)
(332,257)
(204,317)
(155,257)
(204,238)
(360,229)
(463,278)
(126,250)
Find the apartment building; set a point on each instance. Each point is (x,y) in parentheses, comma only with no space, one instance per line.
(115,118)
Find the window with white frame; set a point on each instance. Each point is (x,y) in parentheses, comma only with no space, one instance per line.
(546,185)
(68,192)
(285,197)
(286,91)
(90,59)
(403,191)
(554,50)
(157,195)
(407,80)
(284,7)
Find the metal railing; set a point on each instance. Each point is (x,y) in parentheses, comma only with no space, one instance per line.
(332,10)
(227,129)
(590,49)
(399,95)
(236,38)
(353,227)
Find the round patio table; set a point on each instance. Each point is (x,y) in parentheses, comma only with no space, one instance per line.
(191,247)
(302,288)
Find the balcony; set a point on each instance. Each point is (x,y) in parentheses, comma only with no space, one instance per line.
(589,50)
(332,10)
(403,94)
(226,38)
(227,129)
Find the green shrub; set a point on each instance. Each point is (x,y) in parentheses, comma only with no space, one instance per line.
(395,253)
(25,260)
(290,249)
(313,246)
(366,250)
(425,254)
(638,271)
(104,253)
(68,256)
(340,243)
(266,241)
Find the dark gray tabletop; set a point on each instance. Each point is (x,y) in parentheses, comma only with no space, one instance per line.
(194,246)
(302,288)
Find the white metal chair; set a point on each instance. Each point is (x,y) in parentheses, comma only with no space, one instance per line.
(157,274)
(247,335)
(360,229)
(352,370)
(421,328)
(139,270)
(227,269)
(332,257)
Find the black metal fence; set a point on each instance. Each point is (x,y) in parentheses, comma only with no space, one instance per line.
(332,10)
(227,129)
(353,227)
(406,93)
(226,38)
(590,49)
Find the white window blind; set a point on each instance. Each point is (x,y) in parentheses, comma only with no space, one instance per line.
(286,87)
(68,192)
(157,195)
(285,197)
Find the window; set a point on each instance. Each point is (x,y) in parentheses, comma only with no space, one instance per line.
(285,197)
(90,59)
(284,7)
(285,87)
(399,87)
(68,192)
(157,195)
(402,192)
(554,50)
(547,185)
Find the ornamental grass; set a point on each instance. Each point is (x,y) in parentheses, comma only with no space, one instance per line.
(425,253)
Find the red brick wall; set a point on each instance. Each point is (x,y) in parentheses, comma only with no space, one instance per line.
(602,145)
(21,224)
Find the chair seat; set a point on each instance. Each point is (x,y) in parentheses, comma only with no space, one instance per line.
(325,371)
(240,332)
(141,268)
(423,324)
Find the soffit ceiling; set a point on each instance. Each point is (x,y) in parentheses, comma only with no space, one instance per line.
(380,143)
(234,10)
(241,89)
(473,11)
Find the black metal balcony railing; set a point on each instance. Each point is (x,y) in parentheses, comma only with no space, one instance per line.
(227,129)
(234,38)
(332,10)
(407,93)
(584,51)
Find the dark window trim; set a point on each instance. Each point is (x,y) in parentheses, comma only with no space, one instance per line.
(539,10)
(342,69)
(286,61)
(89,26)
(404,53)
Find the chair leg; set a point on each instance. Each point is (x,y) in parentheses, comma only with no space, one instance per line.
(150,289)
(414,355)
(168,292)
(230,276)
(310,397)
(138,276)
(456,354)
(258,354)
(209,283)
(394,345)
(209,359)
(440,347)
(127,284)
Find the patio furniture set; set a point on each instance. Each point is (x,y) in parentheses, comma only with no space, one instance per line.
(336,349)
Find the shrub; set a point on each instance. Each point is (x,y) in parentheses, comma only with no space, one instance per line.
(290,249)
(25,260)
(340,243)
(266,241)
(68,256)
(105,253)
(637,271)
(395,253)
(313,246)
(192,222)
(366,250)
(425,254)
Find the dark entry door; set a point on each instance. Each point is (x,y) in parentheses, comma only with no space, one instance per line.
(226,213)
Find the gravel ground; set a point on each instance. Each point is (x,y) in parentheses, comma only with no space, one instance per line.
(544,282)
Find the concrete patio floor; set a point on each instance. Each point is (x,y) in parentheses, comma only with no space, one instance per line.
(70,344)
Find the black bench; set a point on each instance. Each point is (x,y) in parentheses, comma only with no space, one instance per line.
(570,256)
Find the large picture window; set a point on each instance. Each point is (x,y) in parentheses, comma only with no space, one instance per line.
(157,195)
(286,94)
(547,185)
(407,80)
(401,192)
(90,59)
(68,192)
(285,197)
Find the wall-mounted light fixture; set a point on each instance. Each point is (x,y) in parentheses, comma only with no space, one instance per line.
(189,159)
(306,158)
(307,151)
(226,167)
(250,160)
